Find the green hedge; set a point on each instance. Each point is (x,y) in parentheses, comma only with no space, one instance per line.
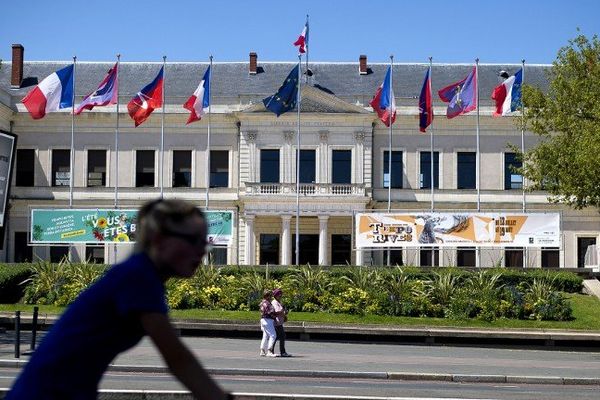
(12,278)
(400,291)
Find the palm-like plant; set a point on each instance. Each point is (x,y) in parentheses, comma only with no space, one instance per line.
(207,275)
(484,282)
(541,289)
(84,275)
(308,279)
(362,278)
(442,287)
(252,286)
(46,281)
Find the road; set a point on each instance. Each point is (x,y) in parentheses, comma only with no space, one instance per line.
(220,353)
(348,387)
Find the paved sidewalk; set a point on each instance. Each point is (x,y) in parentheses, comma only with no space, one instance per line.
(378,333)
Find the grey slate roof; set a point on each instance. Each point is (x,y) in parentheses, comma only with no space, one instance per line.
(232,84)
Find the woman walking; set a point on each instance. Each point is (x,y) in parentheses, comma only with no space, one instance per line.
(267,318)
(280,319)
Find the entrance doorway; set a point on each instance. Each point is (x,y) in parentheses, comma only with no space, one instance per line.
(309,249)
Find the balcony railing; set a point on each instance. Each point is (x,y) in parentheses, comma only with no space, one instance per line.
(306,189)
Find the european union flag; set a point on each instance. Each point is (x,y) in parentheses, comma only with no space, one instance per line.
(285,98)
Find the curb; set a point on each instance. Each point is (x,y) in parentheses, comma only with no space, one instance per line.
(403,376)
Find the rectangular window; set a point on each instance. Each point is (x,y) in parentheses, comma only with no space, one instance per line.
(309,249)
(550,257)
(582,245)
(395,257)
(430,257)
(94,254)
(61,167)
(23,251)
(144,168)
(58,253)
(96,168)
(341,166)
(512,180)
(466,170)
(396,169)
(465,257)
(269,166)
(307,166)
(218,256)
(269,249)
(341,249)
(219,168)
(25,167)
(513,257)
(425,165)
(182,168)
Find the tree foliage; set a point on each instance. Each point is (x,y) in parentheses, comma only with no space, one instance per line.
(567,161)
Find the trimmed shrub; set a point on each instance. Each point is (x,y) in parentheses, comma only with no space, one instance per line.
(11,278)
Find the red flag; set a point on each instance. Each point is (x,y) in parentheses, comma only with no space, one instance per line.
(144,102)
(302,40)
(425,103)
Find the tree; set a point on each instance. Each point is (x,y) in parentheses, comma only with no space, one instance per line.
(566,163)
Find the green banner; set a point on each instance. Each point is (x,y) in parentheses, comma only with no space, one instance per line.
(83,226)
(109,226)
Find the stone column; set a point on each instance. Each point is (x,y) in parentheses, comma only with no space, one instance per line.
(359,168)
(286,240)
(323,240)
(250,258)
(358,258)
(251,143)
(289,157)
(323,176)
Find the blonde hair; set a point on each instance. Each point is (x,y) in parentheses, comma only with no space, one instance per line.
(162,216)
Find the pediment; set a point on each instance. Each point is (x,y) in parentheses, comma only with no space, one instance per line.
(316,100)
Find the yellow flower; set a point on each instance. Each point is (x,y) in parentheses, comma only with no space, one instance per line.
(121,237)
(102,222)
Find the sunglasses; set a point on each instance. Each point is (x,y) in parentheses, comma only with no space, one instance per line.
(195,239)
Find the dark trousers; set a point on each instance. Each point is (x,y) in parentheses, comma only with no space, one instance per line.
(281,337)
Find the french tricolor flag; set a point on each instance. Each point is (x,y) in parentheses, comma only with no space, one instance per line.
(302,41)
(507,95)
(52,94)
(200,100)
(384,103)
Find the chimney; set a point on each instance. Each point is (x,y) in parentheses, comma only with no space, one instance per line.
(253,62)
(362,64)
(17,66)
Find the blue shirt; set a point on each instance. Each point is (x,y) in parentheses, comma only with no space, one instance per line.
(103,322)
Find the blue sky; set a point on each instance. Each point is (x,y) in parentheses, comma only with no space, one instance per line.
(501,31)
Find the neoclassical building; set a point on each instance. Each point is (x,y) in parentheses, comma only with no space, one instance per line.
(252,168)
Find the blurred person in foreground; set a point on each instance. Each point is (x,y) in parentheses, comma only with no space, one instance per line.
(126,304)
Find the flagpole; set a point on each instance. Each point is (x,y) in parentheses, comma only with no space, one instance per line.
(298,98)
(478,158)
(208,133)
(431,139)
(526,251)
(389,205)
(116,178)
(72,151)
(523,127)
(162,131)
(72,155)
(307,47)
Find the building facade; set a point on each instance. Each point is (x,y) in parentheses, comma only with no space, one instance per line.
(251,167)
